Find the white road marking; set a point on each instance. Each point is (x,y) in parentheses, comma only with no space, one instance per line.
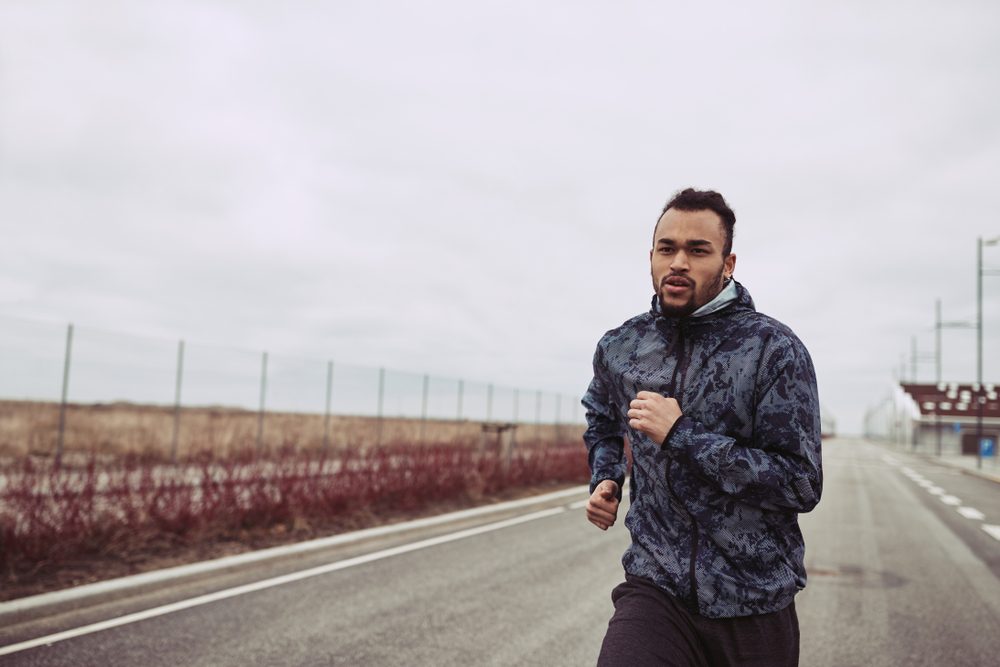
(578,505)
(71,596)
(931,488)
(276,581)
(971,513)
(992,531)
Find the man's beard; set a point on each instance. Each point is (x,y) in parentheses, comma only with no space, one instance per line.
(712,290)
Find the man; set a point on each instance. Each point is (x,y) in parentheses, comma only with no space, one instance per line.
(720,407)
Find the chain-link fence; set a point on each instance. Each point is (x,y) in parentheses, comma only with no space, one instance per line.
(68,389)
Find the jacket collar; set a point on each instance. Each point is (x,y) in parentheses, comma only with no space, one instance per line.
(721,300)
(733,294)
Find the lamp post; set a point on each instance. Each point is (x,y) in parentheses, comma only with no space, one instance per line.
(980,398)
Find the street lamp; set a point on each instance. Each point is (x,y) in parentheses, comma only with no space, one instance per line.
(980,399)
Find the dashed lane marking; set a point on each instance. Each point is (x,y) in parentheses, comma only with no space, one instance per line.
(578,505)
(992,531)
(971,513)
(948,499)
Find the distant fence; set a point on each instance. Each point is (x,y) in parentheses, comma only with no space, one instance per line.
(65,388)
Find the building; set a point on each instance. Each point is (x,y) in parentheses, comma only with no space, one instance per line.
(936,418)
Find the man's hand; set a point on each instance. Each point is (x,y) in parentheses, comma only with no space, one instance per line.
(653,414)
(602,508)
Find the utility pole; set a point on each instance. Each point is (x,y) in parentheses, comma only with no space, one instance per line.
(937,341)
(979,352)
(980,390)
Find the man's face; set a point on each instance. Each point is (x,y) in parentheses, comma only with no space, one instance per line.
(686,261)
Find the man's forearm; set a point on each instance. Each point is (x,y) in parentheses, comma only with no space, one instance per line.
(770,479)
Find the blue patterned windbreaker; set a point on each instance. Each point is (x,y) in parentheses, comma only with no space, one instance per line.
(714,508)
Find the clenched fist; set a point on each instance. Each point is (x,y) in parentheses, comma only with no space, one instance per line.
(602,508)
(653,414)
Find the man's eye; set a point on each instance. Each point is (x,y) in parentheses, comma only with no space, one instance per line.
(665,250)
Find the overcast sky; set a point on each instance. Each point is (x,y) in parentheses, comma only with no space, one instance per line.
(468,189)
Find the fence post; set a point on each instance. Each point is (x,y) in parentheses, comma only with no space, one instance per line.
(263,393)
(538,415)
(65,391)
(423,407)
(177,402)
(489,402)
(558,410)
(329,397)
(513,419)
(381,398)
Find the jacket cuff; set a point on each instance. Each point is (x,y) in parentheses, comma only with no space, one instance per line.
(670,433)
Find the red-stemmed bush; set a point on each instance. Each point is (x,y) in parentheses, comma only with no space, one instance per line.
(49,515)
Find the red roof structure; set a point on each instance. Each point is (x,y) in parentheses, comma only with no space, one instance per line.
(951,399)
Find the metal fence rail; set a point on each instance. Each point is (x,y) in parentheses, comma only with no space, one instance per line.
(63,387)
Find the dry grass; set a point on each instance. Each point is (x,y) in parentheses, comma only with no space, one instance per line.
(32,427)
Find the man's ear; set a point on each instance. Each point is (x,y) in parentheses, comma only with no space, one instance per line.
(729,265)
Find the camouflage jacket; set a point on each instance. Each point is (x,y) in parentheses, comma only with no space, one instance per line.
(713,509)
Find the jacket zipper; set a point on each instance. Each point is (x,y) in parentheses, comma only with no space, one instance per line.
(678,390)
(682,361)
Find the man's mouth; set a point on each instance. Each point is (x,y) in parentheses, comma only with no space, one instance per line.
(676,284)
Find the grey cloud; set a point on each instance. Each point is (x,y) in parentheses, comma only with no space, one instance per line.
(469,189)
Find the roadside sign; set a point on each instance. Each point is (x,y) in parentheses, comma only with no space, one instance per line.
(956,427)
(987,447)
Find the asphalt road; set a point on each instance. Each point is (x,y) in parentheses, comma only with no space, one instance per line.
(898,576)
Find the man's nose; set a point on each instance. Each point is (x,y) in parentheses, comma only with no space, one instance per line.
(680,261)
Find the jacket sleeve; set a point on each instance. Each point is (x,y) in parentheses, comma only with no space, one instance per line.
(604,434)
(781,469)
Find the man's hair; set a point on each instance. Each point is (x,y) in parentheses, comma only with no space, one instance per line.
(690,199)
